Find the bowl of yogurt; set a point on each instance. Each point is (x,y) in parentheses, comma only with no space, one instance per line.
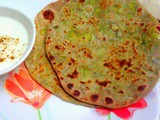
(17,37)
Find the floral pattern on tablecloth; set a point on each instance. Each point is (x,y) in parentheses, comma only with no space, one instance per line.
(23,88)
(124,113)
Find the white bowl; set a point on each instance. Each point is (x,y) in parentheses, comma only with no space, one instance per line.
(30,28)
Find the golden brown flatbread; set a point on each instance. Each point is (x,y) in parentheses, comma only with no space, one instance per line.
(105,52)
(38,64)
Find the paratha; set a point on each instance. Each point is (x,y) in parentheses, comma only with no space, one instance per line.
(106,52)
(37,62)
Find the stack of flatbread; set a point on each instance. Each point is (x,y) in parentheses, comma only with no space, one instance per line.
(103,53)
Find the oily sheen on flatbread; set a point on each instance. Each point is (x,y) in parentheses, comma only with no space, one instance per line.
(106,52)
(37,63)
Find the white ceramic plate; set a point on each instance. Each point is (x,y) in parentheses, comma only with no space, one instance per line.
(23,99)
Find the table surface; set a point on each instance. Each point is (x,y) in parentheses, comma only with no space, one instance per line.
(41,3)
